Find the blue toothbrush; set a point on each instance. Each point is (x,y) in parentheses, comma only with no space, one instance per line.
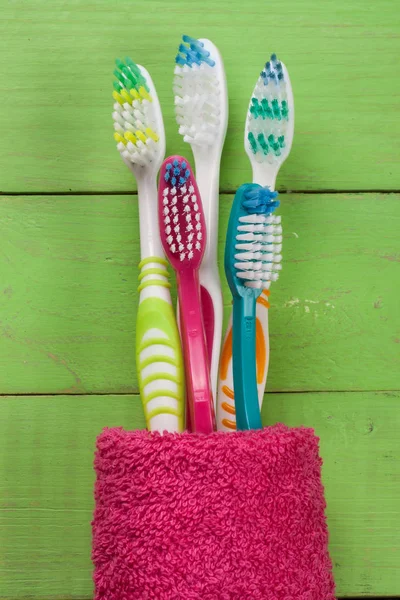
(252,259)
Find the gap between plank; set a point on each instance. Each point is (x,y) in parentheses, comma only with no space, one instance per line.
(225,192)
(81,394)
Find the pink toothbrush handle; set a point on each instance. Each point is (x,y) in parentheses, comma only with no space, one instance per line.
(199,393)
(207,309)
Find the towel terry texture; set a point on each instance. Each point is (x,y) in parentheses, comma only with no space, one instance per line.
(228,516)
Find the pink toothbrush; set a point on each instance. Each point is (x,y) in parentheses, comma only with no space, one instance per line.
(183,236)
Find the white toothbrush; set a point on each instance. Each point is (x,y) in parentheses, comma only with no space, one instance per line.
(140,137)
(201,105)
(267,140)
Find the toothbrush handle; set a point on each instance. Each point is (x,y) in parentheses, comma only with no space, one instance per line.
(207,176)
(158,350)
(244,363)
(195,352)
(226,420)
(212,311)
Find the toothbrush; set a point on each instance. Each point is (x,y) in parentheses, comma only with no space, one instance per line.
(201,106)
(252,261)
(267,141)
(183,235)
(140,137)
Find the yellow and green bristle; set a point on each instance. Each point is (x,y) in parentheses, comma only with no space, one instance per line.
(134,133)
(269,113)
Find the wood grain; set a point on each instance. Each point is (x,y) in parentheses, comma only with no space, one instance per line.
(69,263)
(46,475)
(68,294)
(56,78)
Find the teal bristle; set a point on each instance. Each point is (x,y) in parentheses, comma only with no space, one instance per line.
(252,141)
(274,144)
(267,109)
(254,107)
(262,142)
(276,110)
(264,110)
(266,145)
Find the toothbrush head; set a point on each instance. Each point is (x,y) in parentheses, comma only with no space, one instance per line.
(138,124)
(270,116)
(201,100)
(254,241)
(181,216)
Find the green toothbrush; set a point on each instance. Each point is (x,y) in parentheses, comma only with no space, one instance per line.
(140,137)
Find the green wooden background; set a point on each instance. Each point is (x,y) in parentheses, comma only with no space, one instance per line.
(69,251)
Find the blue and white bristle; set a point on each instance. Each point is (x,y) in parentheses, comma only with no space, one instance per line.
(191,52)
(196,89)
(259,238)
(177,173)
(260,200)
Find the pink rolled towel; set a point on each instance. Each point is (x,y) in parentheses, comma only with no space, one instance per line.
(228,516)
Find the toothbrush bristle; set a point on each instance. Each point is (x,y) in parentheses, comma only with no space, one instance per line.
(135,122)
(197,93)
(191,52)
(269,114)
(258,242)
(181,217)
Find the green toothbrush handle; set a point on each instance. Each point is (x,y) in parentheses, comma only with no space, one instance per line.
(158,351)
(244,363)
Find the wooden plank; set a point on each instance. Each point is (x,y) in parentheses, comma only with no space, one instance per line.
(68,297)
(360,449)
(56,75)
(46,475)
